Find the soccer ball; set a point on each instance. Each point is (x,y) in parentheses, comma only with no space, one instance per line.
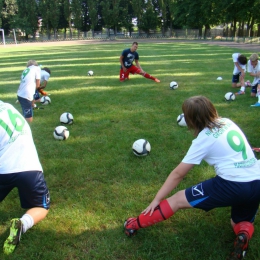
(61,133)
(141,147)
(173,85)
(66,118)
(181,120)
(90,73)
(230,96)
(45,100)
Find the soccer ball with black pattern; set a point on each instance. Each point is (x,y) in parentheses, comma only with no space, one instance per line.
(66,118)
(230,96)
(45,100)
(181,120)
(141,147)
(61,133)
(90,73)
(173,85)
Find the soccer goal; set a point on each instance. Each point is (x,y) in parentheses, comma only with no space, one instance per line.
(3,36)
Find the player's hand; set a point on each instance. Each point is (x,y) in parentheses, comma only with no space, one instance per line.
(151,207)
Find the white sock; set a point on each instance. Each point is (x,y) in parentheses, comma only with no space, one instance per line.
(243,88)
(27,221)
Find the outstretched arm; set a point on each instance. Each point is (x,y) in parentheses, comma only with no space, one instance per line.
(171,182)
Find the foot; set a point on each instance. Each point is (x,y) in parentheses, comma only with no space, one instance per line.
(157,80)
(130,227)
(240,92)
(257,104)
(14,237)
(240,247)
(256,149)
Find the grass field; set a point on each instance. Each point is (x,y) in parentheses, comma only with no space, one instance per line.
(95,180)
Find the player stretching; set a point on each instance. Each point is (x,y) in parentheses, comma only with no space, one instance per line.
(20,168)
(222,144)
(127,58)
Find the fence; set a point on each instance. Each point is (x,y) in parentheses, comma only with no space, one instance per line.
(189,34)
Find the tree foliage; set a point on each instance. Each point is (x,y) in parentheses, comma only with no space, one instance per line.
(240,16)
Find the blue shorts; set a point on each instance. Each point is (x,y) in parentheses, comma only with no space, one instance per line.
(235,78)
(254,87)
(26,107)
(32,188)
(242,197)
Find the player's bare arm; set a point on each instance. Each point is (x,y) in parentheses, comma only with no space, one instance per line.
(171,182)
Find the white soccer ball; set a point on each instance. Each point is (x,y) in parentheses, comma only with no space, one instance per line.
(173,85)
(66,118)
(141,147)
(61,133)
(90,73)
(45,100)
(230,96)
(181,120)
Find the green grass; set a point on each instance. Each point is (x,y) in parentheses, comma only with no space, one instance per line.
(95,180)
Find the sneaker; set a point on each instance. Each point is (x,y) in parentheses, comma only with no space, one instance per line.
(240,247)
(129,225)
(248,83)
(240,92)
(157,80)
(257,104)
(14,237)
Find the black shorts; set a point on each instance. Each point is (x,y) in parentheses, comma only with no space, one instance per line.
(242,197)
(32,188)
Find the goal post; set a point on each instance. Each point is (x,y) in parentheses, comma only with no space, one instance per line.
(3,36)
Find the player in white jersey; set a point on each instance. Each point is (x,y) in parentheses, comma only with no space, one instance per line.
(238,79)
(30,81)
(20,168)
(222,144)
(253,68)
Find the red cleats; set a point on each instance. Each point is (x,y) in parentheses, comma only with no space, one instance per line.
(130,227)
(240,247)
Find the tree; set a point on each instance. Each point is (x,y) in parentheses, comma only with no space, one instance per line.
(110,14)
(149,19)
(93,14)
(9,10)
(26,18)
(76,11)
(50,15)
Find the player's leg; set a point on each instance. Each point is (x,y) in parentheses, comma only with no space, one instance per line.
(235,81)
(26,108)
(34,194)
(257,104)
(164,210)
(123,75)
(243,216)
(134,70)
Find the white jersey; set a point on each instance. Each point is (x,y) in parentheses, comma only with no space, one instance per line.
(228,150)
(254,70)
(235,59)
(28,82)
(44,76)
(17,149)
